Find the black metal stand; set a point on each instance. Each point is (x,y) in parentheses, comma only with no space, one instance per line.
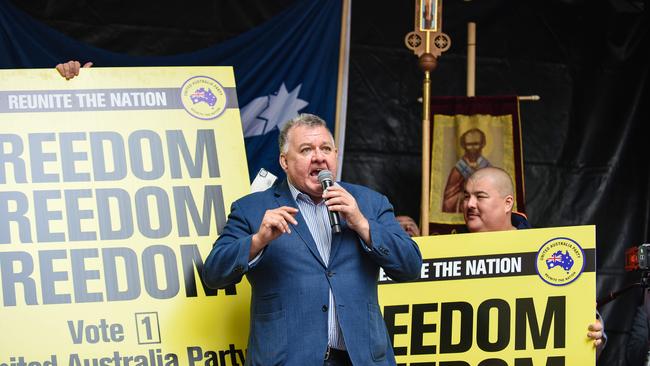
(644,283)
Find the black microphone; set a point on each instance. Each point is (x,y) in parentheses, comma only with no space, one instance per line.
(326,181)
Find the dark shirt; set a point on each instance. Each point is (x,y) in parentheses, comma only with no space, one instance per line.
(519,221)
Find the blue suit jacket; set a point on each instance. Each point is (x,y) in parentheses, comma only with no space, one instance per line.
(290,283)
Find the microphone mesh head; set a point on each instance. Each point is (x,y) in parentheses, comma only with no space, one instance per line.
(324,175)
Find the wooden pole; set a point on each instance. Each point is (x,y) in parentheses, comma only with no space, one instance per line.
(426,151)
(342,86)
(427,63)
(471,59)
(427,43)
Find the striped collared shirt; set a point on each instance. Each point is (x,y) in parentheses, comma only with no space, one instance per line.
(317,220)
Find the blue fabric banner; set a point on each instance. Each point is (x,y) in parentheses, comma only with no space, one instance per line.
(286,66)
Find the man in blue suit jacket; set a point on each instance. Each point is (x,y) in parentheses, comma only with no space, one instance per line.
(314,292)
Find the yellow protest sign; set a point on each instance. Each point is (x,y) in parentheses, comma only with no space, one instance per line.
(113,188)
(518,298)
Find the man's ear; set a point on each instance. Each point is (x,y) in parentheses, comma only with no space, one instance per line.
(283,162)
(510,201)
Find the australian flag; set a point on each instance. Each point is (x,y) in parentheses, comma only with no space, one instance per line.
(293,69)
(202,95)
(286,66)
(558,258)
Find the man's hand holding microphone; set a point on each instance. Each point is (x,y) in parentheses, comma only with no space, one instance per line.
(339,201)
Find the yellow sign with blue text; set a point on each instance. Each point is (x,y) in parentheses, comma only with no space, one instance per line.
(113,188)
(511,298)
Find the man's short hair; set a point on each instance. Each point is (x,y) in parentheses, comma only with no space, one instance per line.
(303,119)
(502,180)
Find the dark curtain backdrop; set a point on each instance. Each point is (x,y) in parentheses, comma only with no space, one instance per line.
(585,143)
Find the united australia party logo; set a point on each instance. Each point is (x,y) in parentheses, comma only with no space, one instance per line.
(560,261)
(203,97)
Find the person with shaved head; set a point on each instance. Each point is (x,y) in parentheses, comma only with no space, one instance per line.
(488,200)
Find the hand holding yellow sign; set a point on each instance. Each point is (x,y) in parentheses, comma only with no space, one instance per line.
(520,297)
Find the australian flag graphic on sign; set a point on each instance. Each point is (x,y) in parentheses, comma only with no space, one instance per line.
(202,95)
(558,258)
